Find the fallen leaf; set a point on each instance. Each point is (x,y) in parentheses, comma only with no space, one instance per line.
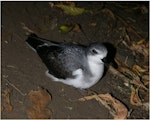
(51,4)
(77,28)
(145,79)
(71,10)
(134,98)
(138,69)
(141,46)
(93,24)
(39,113)
(40,100)
(127,72)
(140,42)
(6,102)
(65,28)
(132,76)
(116,108)
(140,49)
(146,67)
(144,9)
(27,29)
(70,27)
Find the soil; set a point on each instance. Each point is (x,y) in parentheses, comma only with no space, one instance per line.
(25,70)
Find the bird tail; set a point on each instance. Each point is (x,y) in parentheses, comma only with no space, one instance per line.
(35,42)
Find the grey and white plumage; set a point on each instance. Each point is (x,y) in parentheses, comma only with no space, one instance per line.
(76,65)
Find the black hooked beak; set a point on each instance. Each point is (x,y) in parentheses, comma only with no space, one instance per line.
(104,60)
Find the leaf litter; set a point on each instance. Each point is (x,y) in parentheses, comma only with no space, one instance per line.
(70,8)
(138,74)
(115,107)
(6,101)
(40,100)
(70,27)
(134,98)
(136,77)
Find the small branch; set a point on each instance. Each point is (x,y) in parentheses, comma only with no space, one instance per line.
(23,94)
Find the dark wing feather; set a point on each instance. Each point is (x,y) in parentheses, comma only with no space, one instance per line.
(62,60)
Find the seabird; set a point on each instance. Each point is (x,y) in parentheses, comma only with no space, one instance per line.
(72,64)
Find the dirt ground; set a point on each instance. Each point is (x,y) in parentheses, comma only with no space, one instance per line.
(23,69)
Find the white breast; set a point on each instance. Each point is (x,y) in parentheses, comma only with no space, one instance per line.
(82,80)
(97,71)
(77,82)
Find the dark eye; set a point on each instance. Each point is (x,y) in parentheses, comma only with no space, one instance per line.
(94,51)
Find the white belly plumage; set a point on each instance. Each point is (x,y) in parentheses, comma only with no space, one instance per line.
(81,81)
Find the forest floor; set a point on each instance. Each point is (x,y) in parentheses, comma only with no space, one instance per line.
(123,24)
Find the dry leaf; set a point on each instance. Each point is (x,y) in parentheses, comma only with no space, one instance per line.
(77,28)
(134,98)
(146,67)
(51,4)
(131,75)
(135,79)
(6,102)
(121,111)
(116,108)
(140,49)
(70,27)
(39,113)
(40,100)
(141,46)
(145,79)
(144,9)
(140,42)
(71,10)
(93,24)
(27,28)
(66,28)
(139,69)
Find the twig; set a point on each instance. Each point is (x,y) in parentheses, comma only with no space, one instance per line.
(126,60)
(26,28)
(23,94)
(125,79)
(115,72)
(115,107)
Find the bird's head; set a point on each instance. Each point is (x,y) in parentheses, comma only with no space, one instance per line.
(97,53)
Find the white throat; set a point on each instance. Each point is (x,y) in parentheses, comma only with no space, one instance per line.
(96,68)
